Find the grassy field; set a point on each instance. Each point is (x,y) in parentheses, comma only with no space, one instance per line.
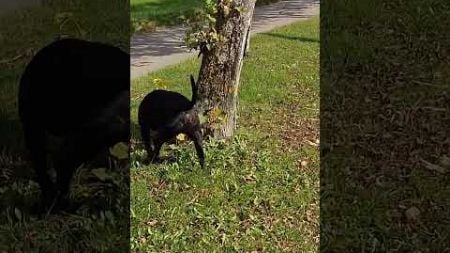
(147,14)
(99,225)
(260,191)
(385,116)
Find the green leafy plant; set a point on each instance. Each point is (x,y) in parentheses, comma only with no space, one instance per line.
(203,34)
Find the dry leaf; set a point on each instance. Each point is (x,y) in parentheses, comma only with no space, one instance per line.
(412,213)
(434,167)
(445,161)
(181,137)
(151,223)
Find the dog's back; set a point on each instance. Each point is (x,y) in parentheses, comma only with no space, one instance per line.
(159,107)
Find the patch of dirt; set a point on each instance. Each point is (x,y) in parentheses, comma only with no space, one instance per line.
(294,131)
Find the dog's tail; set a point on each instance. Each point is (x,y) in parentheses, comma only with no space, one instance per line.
(194,91)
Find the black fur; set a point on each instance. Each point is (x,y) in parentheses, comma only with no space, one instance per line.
(165,114)
(78,91)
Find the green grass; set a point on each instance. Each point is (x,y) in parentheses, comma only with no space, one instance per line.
(385,110)
(147,14)
(99,225)
(255,195)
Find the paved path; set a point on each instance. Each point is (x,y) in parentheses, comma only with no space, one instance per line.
(156,50)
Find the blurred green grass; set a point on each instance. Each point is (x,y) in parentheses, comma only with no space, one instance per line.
(384,109)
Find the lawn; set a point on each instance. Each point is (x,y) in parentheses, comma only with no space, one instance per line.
(385,115)
(260,191)
(147,14)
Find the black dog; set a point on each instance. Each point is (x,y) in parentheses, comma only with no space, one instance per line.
(165,114)
(78,91)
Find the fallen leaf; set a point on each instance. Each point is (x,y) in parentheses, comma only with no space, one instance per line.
(120,151)
(181,137)
(151,223)
(445,161)
(314,144)
(142,240)
(434,167)
(412,213)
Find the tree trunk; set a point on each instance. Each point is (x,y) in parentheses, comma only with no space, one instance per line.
(218,82)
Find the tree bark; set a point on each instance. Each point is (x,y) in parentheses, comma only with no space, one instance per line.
(218,82)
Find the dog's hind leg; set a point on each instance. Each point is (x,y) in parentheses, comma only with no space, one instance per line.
(78,148)
(145,136)
(35,141)
(198,140)
(156,148)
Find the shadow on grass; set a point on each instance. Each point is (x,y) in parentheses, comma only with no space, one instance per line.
(300,39)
